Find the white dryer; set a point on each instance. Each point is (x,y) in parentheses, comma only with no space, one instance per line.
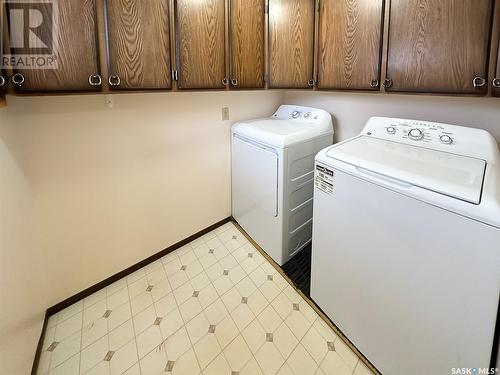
(273,174)
(406,245)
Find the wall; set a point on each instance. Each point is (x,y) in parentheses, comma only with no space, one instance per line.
(22,283)
(87,191)
(352,110)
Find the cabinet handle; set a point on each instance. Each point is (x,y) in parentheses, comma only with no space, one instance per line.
(496,82)
(114,80)
(387,83)
(225,81)
(234,82)
(374,83)
(310,82)
(95,80)
(18,79)
(2,81)
(478,82)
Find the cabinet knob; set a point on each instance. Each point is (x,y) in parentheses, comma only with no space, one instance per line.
(234,82)
(95,80)
(374,83)
(387,83)
(478,82)
(310,82)
(18,79)
(225,81)
(114,80)
(496,82)
(2,81)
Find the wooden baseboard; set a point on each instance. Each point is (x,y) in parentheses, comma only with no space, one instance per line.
(110,280)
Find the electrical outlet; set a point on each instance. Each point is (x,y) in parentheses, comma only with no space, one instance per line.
(225,113)
(109,100)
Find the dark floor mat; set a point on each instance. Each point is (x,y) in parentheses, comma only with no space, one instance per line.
(299,270)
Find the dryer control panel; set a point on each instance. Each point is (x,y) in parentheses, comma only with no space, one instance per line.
(434,135)
(301,114)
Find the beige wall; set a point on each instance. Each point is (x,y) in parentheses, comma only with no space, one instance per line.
(87,191)
(352,110)
(23,297)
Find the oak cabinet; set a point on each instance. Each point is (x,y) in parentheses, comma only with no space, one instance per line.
(3,75)
(291,43)
(438,46)
(496,80)
(201,51)
(68,34)
(350,44)
(138,44)
(246,20)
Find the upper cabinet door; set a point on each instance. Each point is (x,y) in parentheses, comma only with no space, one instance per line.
(3,75)
(438,46)
(139,44)
(291,36)
(496,79)
(247,43)
(350,43)
(65,42)
(201,44)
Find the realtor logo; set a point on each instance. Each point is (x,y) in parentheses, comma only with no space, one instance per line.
(33,34)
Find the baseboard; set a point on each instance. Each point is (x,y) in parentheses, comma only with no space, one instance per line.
(110,280)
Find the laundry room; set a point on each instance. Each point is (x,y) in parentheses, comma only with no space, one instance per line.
(236,187)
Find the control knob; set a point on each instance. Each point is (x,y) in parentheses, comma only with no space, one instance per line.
(391,130)
(446,139)
(307,115)
(295,114)
(416,134)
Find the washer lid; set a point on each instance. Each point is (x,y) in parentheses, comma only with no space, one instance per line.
(281,133)
(453,175)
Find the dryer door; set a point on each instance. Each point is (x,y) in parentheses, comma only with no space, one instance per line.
(255,178)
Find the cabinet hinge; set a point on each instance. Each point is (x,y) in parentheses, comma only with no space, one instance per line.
(266,7)
(317,6)
(175,75)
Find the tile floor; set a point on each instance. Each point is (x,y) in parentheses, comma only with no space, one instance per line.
(215,307)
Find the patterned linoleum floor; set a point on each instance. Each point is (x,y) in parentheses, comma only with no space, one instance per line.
(215,306)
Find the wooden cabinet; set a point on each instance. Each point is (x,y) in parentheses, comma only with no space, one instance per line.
(291,43)
(350,43)
(433,46)
(138,44)
(3,74)
(74,48)
(201,49)
(246,20)
(438,46)
(496,79)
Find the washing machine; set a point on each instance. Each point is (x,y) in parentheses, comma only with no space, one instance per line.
(406,245)
(273,177)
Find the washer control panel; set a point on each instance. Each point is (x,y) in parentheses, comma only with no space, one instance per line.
(460,140)
(414,131)
(301,114)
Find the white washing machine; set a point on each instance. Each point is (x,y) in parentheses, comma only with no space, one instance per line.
(406,245)
(273,174)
